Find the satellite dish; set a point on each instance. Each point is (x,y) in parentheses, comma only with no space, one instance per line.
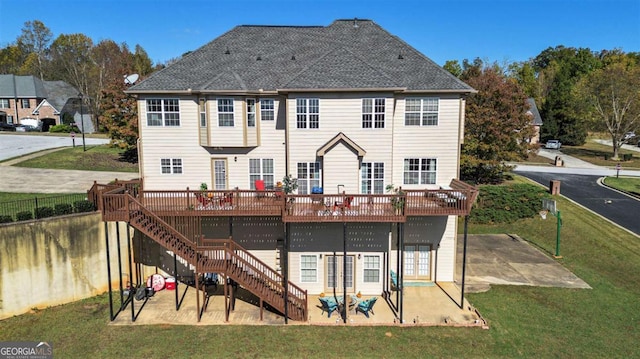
(131,79)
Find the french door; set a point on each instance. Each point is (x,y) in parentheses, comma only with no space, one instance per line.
(335,274)
(417,262)
(219,174)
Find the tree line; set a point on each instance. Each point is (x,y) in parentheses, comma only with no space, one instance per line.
(577,91)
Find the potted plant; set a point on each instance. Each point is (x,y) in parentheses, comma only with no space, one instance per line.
(398,200)
(289,185)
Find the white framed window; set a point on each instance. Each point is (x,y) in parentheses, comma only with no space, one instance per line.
(421,111)
(267,109)
(371,267)
(373,112)
(225,112)
(163,112)
(372,178)
(308,268)
(261,169)
(420,170)
(25,103)
(308,176)
(4,103)
(171,165)
(251,112)
(202,107)
(308,113)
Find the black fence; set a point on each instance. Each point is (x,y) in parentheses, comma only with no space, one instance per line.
(44,207)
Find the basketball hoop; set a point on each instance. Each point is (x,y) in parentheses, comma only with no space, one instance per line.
(543,213)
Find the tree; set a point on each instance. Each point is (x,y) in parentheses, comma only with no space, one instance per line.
(453,67)
(610,98)
(497,127)
(35,40)
(119,116)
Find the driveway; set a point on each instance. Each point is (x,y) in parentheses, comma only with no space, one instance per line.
(19,145)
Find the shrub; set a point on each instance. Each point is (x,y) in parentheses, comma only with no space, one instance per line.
(83,206)
(627,156)
(506,204)
(62,209)
(63,129)
(44,212)
(606,156)
(6,219)
(24,216)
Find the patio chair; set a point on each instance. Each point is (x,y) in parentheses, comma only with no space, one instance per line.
(343,205)
(329,305)
(260,188)
(366,306)
(394,280)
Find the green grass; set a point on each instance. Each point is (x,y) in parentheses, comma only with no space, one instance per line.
(626,184)
(603,322)
(96,158)
(593,152)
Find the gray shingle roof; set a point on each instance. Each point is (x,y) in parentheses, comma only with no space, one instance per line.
(339,56)
(12,86)
(533,109)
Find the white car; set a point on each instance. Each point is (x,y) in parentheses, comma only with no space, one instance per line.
(553,145)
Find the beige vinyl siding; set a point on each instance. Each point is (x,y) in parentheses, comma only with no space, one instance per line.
(227,136)
(341,113)
(439,142)
(447,253)
(182,142)
(295,274)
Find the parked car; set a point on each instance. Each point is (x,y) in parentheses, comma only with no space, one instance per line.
(553,145)
(7,126)
(26,128)
(629,135)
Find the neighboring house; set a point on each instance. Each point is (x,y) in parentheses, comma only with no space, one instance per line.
(536,120)
(348,110)
(38,101)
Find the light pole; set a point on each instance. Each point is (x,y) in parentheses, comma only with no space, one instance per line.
(84,147)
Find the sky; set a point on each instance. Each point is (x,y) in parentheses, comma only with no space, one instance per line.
(502,31)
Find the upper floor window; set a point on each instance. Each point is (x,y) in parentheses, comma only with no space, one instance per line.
(373,112)
(4,103)
(171,165)
(251,112)
(202,108)
(372,177)
(308,113)
(261,169)
(308,176)
(421,111)
(420,170)
(163,112)
(267,109)
(225,112)
(25,103)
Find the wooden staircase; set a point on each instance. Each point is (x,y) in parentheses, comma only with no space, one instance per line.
(221,256)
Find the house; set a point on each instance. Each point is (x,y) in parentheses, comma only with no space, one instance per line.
(39,102)
(536,120)
(348,110)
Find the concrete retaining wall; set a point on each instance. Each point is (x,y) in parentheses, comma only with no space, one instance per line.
(56,261)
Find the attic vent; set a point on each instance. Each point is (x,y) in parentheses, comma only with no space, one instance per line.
(227,52)
(355,23)
(400,57)
(258,58)
(293,57)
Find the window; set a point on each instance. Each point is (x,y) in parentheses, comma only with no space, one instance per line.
(171,165)
(373,113)
(251,112)
(420,170)
(308,268)
(4,103)
(308,176)
(308,113)
(372,177)
(267,110)
(202,106)
(371,269)
(421,112)
(225,112)
(261,169)
(163,112)
(25,103)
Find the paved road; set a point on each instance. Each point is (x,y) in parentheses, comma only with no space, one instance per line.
(18,145)
(585,190)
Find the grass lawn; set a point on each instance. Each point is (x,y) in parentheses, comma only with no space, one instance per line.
(595,153)
(96,158)
(603,322)
(625,184)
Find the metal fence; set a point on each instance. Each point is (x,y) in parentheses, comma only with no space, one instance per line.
(43,207)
